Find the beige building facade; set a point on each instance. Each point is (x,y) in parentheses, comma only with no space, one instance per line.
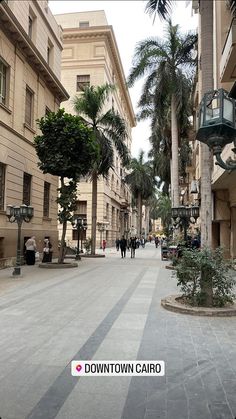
(30,57)
(90,57)
(223,182)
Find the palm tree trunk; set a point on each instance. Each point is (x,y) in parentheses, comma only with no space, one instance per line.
(206,13)
(139,214)
(94,211)
(175,155)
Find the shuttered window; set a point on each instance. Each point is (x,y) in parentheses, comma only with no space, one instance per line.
(26,188)
(82,82)
(2,185)
(29,102)
(3,76)
(46,196)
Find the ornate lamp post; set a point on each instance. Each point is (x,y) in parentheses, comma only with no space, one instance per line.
(80,224)
(102,226)
(217,125)
(19,214)
(183,216)
(101,229)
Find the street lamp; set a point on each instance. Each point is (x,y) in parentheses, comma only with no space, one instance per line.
(217,125)
(19,214)
(183,216)
(102,226)
(80,224)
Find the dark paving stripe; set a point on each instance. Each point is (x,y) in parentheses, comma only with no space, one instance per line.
(45,289)
(52,401)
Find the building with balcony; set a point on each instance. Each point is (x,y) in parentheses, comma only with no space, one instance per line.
(91,57)
(30,60)
(221,69)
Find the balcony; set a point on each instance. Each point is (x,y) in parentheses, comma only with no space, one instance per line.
(227,62)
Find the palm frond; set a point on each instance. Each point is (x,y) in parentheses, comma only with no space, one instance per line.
(162,8)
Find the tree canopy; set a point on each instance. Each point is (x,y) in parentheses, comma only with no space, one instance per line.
(66,147)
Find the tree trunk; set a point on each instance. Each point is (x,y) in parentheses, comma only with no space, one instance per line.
(206,12)
(206,39)
(94,211)
(175,155)
(62,251)
(139,215)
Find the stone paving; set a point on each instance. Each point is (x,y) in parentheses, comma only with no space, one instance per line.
(110,309)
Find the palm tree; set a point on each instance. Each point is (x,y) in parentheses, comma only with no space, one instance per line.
(142,183)
(109,131)
(165,64)
(159,7)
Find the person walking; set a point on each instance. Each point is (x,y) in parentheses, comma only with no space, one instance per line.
(133,246)
(47,251)
(117,244)
(104,243)
(30,246)
(123,247)
(156,242)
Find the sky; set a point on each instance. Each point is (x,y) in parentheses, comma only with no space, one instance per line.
(131,25)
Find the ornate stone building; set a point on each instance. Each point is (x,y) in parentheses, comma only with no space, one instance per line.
(218,70)
(90,57)
(30,61)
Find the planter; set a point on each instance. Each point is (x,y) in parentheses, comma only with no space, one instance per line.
(55,265)
(172,303)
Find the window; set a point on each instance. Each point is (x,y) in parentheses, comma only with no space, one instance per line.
(84,24)
(82,82)
(30,27)
(29,102)
(46,196)
(3,77)
(26,188)
(31,24)
(81,208)
(50,53)
(2,185)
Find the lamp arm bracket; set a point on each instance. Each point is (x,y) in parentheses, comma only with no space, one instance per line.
(230,164)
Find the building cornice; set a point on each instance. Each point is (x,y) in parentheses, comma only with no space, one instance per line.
(14,31)
(104,33)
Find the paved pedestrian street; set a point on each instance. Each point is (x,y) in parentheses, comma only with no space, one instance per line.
(109,309)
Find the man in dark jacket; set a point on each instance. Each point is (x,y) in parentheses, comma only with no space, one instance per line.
(133,246)
(123,246)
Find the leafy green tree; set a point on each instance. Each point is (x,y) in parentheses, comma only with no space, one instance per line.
(142,182)
(165,65)
(109,131)
(65,148)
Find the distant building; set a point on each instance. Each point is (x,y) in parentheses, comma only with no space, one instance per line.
(90,57)
(30,60)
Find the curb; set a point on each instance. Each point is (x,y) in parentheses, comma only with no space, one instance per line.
(55,265)
(170,303)
(92,256)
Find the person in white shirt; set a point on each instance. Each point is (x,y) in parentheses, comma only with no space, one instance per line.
(30,250)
